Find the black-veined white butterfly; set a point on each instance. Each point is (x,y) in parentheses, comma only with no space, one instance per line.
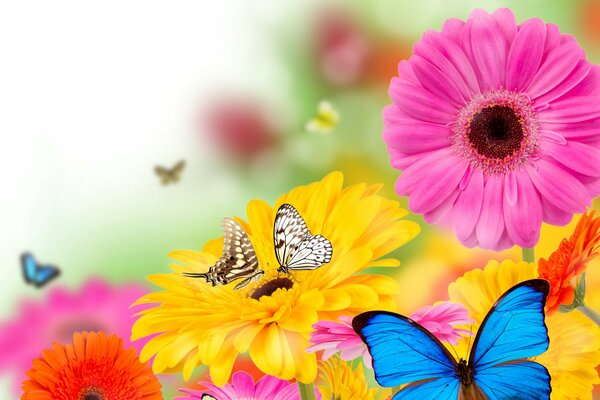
(207,397)
(238,259)
(295,247)
(172,175)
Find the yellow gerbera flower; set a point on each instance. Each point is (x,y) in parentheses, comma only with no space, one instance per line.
(574,350)
(200,324)
(342,383)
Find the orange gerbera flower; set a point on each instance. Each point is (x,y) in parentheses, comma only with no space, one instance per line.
(569,261)
(94,367)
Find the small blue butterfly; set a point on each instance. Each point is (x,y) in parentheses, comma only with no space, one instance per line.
(38,275)
(497,369)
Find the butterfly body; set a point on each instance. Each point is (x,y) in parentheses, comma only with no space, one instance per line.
(497,368)
(35,273)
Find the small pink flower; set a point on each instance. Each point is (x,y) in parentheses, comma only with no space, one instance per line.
(96,306)
(441,320)
(242,386)
(333,337)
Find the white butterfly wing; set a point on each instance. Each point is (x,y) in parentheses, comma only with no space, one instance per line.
(207,397)
(289,231)
(311,254)
(295,246)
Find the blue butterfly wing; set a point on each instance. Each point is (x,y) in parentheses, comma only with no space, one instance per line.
(513,330)
(405,352)
(440,388)
(45,274)
(513,381)
(29,267)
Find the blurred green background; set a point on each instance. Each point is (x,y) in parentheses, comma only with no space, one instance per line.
(95,95)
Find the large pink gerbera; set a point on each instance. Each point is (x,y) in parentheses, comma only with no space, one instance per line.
(96,306)
(496,127)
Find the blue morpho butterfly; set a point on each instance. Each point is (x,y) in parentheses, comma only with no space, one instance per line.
(37,274)
(497,369)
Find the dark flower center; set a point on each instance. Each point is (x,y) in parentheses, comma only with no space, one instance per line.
(91,393)
(496,132)
(270,287)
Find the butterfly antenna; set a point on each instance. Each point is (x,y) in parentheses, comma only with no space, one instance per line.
(454,350)
(196,275)
(469,345)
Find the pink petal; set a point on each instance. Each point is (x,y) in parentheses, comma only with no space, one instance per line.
(468,206)
(553,37)
(436,81)
(413,174)
(505,242)
(243,384)
(416,137)
(580,72)
(525,54)
(456,56)
(430,53)
(505,19)
(557,65)
(572,109)
(405,72)
(590,86)
(554,215)
(523,217)
(420,103)
(586,129)
(439,212)
(268,386)
(576,156)
(558,186)
(436,184)
(491,222)
(452,28)
(489,49)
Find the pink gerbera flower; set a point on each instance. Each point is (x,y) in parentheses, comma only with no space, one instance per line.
(441,320)
(242,386)
(496,127)
(97,306)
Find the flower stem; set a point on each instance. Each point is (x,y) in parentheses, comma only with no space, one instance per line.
(528,254)
(591,314)
(306,390)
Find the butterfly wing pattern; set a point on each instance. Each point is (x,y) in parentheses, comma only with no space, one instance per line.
(207,397)
(295,246)
(36,274)
(498,368)
(238,260)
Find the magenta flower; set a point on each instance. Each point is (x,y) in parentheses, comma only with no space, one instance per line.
(242,387)
(496,127)
(333,337)
(441,320)
(96,306)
